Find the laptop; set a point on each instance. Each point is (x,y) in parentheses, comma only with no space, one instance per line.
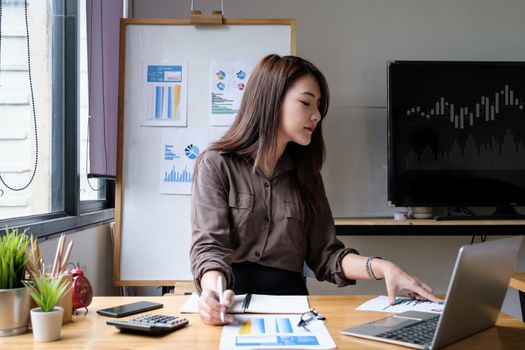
(475,294)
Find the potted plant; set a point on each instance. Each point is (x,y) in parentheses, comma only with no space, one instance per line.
(46,319)
(14,298)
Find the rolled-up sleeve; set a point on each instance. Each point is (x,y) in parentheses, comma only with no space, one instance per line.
(325,252)
(211,248)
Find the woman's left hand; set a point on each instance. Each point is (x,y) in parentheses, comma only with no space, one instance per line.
(397,279)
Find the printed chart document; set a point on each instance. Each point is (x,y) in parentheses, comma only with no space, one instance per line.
(275,332)
(227,83)
(258,303)
(401,305)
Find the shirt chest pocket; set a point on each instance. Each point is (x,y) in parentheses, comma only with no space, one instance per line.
(293,211)
(294,225)
(241,206)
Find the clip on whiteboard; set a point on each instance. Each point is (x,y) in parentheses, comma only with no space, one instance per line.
(198,18)
(215,18)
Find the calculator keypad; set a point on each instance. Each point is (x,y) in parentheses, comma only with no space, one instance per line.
(151,323)
(159,320)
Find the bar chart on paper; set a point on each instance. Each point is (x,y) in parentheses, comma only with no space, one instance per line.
(166,102)
(165,93)
(180,150)
(258,331)
(275,332)
(178,176)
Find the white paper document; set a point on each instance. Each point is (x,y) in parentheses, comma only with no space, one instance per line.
(275,332)
(401,305)
(228,80)
(178,154)
(165,94)
(264,304)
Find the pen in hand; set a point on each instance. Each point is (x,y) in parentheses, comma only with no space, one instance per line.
(220,291)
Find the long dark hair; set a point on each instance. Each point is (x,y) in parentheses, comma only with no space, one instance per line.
(254,130)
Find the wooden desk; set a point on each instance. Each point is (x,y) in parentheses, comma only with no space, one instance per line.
(91,332)
(517,281)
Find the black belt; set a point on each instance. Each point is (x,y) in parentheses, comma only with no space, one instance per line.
(258,279)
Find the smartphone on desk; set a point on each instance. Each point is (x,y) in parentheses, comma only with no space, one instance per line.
(129,309)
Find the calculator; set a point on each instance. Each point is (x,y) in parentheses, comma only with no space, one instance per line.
(150,324)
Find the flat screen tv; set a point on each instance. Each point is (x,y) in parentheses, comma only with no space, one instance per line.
(456,134)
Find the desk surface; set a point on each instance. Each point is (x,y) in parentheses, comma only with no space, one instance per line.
(91,331)
(517,281)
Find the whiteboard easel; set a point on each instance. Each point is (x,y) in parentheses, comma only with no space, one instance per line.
(153,231)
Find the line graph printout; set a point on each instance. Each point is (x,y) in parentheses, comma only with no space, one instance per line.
(381,304)
(180,149)
(275,332)
(165,90)
(228,80)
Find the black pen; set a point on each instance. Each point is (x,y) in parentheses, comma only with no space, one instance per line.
(246,302)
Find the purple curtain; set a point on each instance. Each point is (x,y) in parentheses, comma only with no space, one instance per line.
(103,25)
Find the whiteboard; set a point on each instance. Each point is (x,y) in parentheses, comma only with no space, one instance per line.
(153,230)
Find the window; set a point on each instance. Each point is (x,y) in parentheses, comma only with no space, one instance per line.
(58,70)
(90,189)
(17,128)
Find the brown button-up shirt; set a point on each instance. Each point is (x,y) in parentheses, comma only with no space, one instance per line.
(239,215)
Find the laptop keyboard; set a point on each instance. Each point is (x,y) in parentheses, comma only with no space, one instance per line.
(417,333)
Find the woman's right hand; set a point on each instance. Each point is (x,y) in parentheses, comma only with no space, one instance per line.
(210,308)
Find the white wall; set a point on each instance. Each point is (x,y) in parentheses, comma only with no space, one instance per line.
(347,37)
(351,41)
(92,248)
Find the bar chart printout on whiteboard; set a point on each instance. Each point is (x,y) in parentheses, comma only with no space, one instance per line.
(227,83)
(165,90)
(275,332)
(180,149)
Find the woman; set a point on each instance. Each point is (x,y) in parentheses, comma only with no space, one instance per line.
(259,209)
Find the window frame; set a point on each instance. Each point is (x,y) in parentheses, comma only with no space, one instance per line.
(65,184)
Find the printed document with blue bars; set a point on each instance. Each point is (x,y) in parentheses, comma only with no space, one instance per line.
(275,332)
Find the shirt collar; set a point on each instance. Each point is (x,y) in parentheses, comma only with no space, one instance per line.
(285,163)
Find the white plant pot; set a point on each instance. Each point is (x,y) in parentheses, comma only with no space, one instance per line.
(46,325)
